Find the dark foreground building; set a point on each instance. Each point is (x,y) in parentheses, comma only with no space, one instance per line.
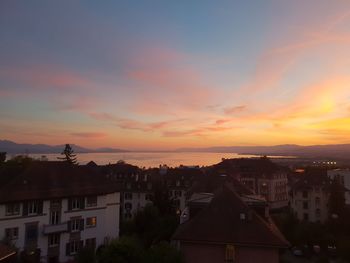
(228,230)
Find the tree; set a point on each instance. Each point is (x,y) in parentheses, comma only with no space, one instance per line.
(86,255)
(2,157)
(163,253)
(124,250)
(69,155)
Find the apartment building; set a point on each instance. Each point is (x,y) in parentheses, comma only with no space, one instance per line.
(50,210)
(343,176)
(310,196)
(262,176)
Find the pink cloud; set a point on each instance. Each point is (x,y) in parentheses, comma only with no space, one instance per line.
(165,83)
(234,110)
(93,135)
(46,76)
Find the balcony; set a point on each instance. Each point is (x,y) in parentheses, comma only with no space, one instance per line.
(50,229)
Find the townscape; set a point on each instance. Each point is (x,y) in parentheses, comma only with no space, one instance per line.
(238,210)
(184,131)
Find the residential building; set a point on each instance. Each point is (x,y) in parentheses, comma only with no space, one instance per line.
(52,209)
(262,176)
(343,176)
(310,196)
(221,227)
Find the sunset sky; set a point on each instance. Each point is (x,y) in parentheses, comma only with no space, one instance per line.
(169,74)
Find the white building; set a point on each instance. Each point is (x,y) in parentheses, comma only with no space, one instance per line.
(344,177)
(51,210)
(309,198)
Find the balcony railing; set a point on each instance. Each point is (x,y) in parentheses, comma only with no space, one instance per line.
(57,228)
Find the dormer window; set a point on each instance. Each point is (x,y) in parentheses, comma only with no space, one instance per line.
(242,216)
(12,209)
(76,203)
(230,253)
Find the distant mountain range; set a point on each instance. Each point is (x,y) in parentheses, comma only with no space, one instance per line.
(18,148)
(341,151)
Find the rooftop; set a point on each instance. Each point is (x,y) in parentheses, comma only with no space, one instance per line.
(222,222)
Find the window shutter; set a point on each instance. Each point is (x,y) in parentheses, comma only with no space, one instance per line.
(69,204)
(25,208)
(81,224)
(69,225)
(40,207)
(67,249)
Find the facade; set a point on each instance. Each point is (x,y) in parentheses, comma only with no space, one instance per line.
(343,175)
(309,198)
(262,176)
(52,210)
(221,227)
(274,187)
(139,185)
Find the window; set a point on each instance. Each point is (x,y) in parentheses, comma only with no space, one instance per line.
(177,202)
(54,217)
(54,240)
(149,197)
(56,203)
(76,224)
(128,206)
(11,233)
(73,247)
(12,209)
(33,208)
(128,215)
(305,205)
(32,232)
(128,196)
(306,216)
(178,193)
(91,201)
(317,201)
(305,194)
(90,243)
(76,203)
(318,212)
(91,222)
(230,253)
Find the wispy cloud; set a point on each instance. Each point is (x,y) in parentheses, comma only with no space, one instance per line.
(91,135)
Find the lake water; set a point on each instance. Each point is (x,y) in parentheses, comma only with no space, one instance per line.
(152,159)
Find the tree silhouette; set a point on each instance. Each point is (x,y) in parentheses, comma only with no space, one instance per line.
(68,155)
(2,157)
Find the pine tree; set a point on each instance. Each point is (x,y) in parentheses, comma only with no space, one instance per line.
(69,155)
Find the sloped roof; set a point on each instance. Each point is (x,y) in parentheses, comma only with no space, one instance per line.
(210,183)
(47,180)
(220,222)
(6,251)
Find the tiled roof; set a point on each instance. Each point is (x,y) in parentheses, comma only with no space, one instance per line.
(310,179)
(220,222)
(47,180)
(249,167)
(210,183)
